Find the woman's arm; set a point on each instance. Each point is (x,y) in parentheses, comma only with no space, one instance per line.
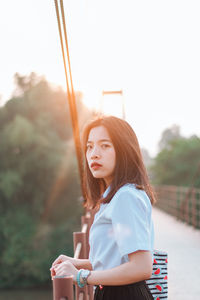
(138,268)
(83,264)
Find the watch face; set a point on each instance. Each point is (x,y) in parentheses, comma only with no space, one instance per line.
(85,273)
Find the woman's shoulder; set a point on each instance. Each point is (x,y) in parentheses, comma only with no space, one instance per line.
(128,188)
(130,192)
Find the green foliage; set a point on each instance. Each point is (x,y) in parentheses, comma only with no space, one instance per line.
(178,163)
(10,182)
(169,135)
(17,229)
(30,248)
(39,182)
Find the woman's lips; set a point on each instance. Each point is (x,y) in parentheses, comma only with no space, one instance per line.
(95,166)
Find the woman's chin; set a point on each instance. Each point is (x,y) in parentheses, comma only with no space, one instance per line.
(97,175)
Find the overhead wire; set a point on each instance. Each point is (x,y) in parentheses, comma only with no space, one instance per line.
(70,94)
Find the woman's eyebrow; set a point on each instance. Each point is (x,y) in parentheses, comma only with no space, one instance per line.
(102,140)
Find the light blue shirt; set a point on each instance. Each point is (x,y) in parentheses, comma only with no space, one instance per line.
(121,227)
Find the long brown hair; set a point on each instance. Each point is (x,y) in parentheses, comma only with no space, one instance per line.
(129,163)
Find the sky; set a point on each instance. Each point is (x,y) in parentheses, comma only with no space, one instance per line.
(148,49)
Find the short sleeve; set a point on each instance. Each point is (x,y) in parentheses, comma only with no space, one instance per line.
(131,217)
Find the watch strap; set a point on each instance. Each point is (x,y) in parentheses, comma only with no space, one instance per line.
(81,285)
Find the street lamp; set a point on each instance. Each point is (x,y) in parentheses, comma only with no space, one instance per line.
(119,92)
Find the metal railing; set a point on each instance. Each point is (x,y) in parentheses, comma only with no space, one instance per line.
(181,202)
(63,286)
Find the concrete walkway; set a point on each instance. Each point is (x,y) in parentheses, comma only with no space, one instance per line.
(182,242)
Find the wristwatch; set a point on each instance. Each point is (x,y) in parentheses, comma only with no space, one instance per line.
(84,275)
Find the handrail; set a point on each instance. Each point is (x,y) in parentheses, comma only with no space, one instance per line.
(84,228)
(78,250)
(79,245)
(62,290)
(181,202)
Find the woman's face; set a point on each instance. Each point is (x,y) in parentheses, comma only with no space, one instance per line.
(100,154)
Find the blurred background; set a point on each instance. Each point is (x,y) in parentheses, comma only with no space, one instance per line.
(148,50)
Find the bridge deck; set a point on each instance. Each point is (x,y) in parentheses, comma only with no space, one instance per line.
(182,242)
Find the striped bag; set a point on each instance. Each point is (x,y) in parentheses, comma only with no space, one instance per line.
(158,283)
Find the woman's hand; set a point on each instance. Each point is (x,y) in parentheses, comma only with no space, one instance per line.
(59,260)
(66,268)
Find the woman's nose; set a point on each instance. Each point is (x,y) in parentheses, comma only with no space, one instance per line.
(95,153)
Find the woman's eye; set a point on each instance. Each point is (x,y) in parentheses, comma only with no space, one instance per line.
(105,146)
(89,147)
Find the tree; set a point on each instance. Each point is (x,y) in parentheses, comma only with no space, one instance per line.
(25,83)
(39,183)
(169,135)
(178,163)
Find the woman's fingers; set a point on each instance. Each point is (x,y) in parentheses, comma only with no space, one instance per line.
(53,273)
(54,266)
(59,260)
(61,271)
(58,267)
(65,269)
(52,269)
(61,266)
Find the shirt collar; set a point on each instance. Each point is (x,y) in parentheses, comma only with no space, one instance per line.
(106,191)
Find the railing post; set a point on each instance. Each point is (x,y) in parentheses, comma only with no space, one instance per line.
(87,220)
(63,288)
(197,197)
(92,213)
(63,285)
(174,201)
(182,215)
(194,212)
(177,203)
(80,238)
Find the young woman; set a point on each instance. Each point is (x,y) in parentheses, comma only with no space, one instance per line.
(122,235)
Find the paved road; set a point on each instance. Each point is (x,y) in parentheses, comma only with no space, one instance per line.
(182,242)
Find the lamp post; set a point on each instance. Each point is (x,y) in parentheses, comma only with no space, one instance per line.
(119,92)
